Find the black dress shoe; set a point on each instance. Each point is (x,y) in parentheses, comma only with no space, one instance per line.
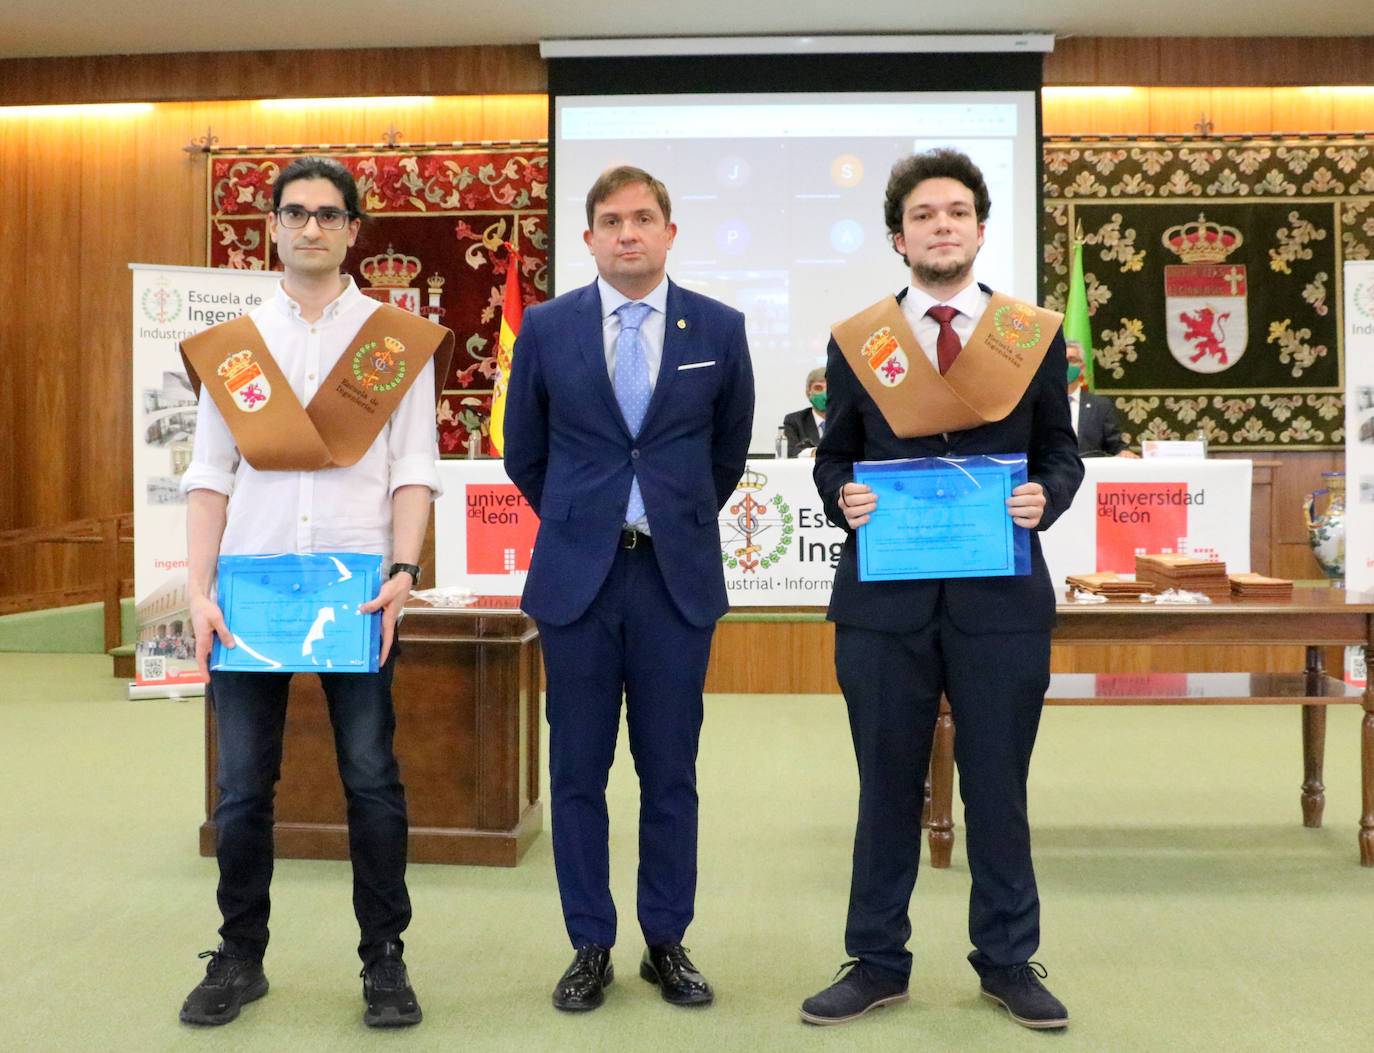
(583,985)
(678,980)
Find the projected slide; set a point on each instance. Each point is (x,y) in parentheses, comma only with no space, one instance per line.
(779,203)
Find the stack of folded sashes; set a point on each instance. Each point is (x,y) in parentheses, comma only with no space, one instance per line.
(1168,571)
(1258,587)
(1106,583)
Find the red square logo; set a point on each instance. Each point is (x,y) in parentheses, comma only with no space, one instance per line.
(501,528)
(1136,518)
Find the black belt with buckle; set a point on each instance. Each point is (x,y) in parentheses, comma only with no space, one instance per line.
(630,538)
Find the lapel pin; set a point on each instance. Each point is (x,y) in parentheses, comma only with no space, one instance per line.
(682,323)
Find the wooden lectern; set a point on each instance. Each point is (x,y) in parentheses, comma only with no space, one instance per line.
(466,691)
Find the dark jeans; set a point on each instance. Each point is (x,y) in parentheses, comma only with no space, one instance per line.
(250,718)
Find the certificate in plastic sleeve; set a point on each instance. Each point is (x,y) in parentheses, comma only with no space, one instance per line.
(297,613)
(942,517)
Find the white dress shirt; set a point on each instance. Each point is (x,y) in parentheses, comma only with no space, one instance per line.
(970,302)
(651,330)
(1074,404)
(333,509)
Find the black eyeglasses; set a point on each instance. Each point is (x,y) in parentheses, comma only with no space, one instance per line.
(293,217)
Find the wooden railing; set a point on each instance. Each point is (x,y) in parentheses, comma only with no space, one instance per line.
(109,532)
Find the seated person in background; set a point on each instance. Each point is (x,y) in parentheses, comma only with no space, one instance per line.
(1094,417)
(803,429)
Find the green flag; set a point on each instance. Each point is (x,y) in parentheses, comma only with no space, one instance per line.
(1077,325)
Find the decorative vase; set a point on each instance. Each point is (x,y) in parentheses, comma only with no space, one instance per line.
(1326,532)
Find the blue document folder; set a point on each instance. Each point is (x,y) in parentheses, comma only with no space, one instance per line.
(942,517)
(299,613)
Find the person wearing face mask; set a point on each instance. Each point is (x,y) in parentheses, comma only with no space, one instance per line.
(1094,417)
(803,429)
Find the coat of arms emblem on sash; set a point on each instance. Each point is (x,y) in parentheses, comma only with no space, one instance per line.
(886,357)
(245,382)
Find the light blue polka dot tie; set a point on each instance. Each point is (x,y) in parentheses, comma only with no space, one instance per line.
(632,385)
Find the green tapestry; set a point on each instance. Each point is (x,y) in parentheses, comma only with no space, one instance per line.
(1213,275)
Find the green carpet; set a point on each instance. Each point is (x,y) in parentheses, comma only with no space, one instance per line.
(1184,906)
(79,629)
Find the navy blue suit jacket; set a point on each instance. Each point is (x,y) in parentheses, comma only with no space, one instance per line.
(569,450)
(1039,427)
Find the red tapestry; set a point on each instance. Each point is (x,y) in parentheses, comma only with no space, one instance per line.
(433,246)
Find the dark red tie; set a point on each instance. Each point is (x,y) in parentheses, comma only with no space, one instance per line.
(947,344)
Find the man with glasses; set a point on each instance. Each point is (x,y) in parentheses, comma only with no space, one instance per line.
(315,433)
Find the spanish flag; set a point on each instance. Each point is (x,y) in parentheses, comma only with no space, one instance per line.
(512,309)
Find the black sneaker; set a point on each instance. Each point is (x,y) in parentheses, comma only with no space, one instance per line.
(850,997)
(1017,988)
(229,982)
(386,989)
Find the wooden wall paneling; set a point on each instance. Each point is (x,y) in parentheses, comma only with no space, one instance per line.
(1264,60)
(1301,475)
(1112,113)
(1202,61)
(1120,113)
(524,117)
(1103,60)
(512,69)
(1132,658)
(772,657)
(1303,110)
(1065,114)
(14,239)
(110,217)
(1176,111)
(1353,108)
(1242,111)
(50,399)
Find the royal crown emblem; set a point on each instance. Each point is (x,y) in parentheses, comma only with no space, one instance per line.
(1206,321)
(751,480)
(390,269)
(389,275)
(1202,241)
(885,357)
(244,380)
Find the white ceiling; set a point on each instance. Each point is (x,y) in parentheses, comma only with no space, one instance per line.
(31,28)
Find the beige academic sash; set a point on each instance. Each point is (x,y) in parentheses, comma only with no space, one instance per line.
(273,431)
(983,385)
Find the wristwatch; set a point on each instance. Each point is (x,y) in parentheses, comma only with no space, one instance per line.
(409,568)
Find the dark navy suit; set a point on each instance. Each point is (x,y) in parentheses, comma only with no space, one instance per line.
(634,620)
(1099,433)
(983,642)
(801,432)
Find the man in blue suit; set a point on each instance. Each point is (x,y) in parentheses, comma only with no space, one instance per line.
(627,426)
(983,642)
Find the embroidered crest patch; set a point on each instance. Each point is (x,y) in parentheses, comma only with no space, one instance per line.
(380,369)
(245,382)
